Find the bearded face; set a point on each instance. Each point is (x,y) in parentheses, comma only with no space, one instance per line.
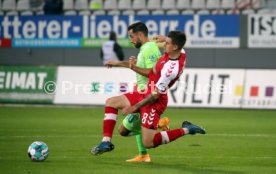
(138,44)
(135,39)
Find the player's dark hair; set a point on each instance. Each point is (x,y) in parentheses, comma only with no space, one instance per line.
(178,38)
(112,36)
(139,26)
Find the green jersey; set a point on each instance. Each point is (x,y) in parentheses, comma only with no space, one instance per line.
(148,55)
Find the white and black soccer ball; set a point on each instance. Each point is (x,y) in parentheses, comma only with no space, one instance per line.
(38,151)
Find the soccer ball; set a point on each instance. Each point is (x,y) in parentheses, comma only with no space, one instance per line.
(38,151)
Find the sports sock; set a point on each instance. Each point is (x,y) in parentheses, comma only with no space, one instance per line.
(141,148)
(109,122)
(165,137)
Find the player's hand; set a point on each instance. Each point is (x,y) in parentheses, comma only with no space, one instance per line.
(129,109)
(159,38)
(110,64)
(132,61)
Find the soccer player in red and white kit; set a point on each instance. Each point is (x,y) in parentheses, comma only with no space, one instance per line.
(152,102)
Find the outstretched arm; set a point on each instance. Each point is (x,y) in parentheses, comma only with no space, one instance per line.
(131,63)
(159,40)
(125,64)
(112,63)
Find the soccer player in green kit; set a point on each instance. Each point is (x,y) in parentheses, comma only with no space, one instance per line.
(147,57)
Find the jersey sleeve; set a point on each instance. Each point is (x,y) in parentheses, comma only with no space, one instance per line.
(168,73)
(162,84)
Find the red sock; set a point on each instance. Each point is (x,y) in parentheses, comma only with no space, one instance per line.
(165,137)
(110,118)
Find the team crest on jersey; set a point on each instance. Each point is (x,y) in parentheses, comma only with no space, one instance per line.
(153,58)
(162,87)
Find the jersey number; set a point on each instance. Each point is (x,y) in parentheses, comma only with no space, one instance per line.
(144,119)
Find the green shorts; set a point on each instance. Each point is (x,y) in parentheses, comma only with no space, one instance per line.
(133,123)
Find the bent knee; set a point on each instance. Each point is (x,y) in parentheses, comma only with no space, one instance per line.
(109,101)
(123,131)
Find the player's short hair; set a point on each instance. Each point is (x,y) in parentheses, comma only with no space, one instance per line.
(112,36)
(139,26)
(178,38)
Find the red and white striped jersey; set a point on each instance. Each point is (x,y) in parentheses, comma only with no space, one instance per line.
(167,71)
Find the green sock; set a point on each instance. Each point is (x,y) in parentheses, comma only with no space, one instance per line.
(141,147)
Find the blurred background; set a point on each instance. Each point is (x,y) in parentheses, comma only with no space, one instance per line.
(53,84)
(226,38)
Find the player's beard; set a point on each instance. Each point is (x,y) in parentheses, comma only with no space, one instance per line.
(138,44)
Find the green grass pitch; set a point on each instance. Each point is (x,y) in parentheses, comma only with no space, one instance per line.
(237,142)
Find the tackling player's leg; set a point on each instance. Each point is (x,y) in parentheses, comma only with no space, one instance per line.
(151,139)
(149,125)
(132,126)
